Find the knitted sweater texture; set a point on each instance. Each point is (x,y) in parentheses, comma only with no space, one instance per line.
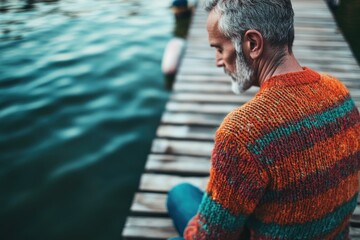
(285,165)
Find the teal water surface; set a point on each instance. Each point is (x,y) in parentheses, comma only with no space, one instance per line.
(81,96)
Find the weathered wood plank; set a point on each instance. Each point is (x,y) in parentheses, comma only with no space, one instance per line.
(203,87)
(192,118)
(186,132)
(355,221)
(207,97)
(212,108)
(354,233)
(163,182)
(202,78)
(154,203)
(148,228)
(193,148)
(180,164)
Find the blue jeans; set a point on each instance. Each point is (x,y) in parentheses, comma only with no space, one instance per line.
(182,204)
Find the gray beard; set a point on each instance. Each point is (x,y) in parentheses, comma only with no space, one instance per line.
(242,77)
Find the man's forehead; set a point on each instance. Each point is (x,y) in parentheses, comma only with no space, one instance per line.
(213,19)
(215,36)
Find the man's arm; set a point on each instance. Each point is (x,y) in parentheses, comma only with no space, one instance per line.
(237,182)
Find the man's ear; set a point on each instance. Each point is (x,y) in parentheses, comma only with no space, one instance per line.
(253,43)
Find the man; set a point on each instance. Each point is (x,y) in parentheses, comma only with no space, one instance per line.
(285,165)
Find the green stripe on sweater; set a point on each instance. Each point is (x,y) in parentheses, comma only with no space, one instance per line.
(217,215)
(317,121)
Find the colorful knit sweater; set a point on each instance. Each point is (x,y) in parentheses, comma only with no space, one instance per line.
(285,165)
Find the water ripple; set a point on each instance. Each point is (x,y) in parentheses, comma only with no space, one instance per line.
(92,158)
(69,133)
(81,96)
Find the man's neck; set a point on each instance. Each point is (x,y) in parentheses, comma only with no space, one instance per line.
(272,68)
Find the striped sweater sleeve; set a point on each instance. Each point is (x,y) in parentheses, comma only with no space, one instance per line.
(236,184)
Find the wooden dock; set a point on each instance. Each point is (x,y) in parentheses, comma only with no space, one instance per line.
(202,97)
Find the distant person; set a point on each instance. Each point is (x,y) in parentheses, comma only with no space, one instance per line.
(285,164)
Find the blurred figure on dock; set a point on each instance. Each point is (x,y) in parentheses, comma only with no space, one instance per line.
(285,165)
(182,10)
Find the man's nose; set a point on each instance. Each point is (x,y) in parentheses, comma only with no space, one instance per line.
(218,60)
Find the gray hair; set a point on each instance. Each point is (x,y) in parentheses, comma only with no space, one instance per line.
(274,19)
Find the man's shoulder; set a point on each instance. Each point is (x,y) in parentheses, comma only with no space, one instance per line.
(332,80)
(243,121)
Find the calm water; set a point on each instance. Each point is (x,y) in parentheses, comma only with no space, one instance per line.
(81,96)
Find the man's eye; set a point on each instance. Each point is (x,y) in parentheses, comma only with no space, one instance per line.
(219,50)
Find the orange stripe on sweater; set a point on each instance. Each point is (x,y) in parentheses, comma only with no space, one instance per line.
(323,155)
(246,120)
(309,209)
(236,202)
